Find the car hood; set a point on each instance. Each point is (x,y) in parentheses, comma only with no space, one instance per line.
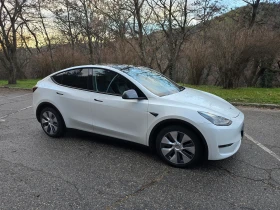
(204,100)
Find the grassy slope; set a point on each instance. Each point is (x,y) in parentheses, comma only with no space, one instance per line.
(28,83)
(247,95)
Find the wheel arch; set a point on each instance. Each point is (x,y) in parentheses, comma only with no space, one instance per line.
(156,129)
(44,105)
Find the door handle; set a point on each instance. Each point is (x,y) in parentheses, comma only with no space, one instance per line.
(98,100)
(59,93)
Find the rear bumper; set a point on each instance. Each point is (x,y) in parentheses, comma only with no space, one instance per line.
(223,141)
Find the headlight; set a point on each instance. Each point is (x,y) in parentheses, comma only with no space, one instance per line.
(216,120)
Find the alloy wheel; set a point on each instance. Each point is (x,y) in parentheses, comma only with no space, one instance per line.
(49,122)
(177,147)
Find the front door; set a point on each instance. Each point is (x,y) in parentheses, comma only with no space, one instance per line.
(114,116)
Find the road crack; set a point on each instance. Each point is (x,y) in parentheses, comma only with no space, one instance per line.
(264,181)
(142,188)
(254,166)
(80,196)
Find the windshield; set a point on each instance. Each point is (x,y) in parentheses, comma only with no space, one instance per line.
(153,81)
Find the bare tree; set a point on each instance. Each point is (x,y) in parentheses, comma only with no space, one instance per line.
(83,16)
(255,5)
(65,19)
(138,27)
(40,7)
(204,11)
(10,23)
(32,29)
(117,23)
(172,17)
(130,21)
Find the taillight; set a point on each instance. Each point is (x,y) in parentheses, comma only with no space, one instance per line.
(34,88)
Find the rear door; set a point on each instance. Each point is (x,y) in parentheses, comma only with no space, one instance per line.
(73,97)
(114,116)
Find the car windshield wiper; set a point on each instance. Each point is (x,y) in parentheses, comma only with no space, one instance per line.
(181,88)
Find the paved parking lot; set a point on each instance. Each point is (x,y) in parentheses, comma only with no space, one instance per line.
(85,171)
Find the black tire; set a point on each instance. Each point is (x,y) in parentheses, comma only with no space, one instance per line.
(56,128)
(173,153)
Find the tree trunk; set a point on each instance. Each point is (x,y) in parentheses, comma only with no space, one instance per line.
(12,75)
(171,72)
(90,49)
(255,7)
(228,79)
(172,68)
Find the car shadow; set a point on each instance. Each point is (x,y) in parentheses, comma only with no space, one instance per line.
(128,145)
(108,141)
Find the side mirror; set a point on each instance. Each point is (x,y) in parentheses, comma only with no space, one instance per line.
(130,94)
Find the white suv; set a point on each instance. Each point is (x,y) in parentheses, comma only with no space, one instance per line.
(139,104)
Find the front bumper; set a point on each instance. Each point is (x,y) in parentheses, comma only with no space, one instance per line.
(223,141)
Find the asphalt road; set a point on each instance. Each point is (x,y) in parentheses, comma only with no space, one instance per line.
(84,171)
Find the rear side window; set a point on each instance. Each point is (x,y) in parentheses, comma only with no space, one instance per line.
(77,78)
(58,78)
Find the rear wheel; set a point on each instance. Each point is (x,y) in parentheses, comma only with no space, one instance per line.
(51,122)
(179,146)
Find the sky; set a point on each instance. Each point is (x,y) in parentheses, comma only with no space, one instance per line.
(233,3)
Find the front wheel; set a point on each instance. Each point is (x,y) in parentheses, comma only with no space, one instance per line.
(179,146)
(51,122)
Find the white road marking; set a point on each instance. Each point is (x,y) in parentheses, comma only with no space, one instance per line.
(263,147)
(24,108)
(15,112)
(20,95)
(16,96)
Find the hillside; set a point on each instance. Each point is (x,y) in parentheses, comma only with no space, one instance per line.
(267,14)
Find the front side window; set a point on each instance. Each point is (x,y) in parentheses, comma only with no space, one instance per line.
(77,78)
(101,79)
(121,84)
(106,81)
(152,80)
